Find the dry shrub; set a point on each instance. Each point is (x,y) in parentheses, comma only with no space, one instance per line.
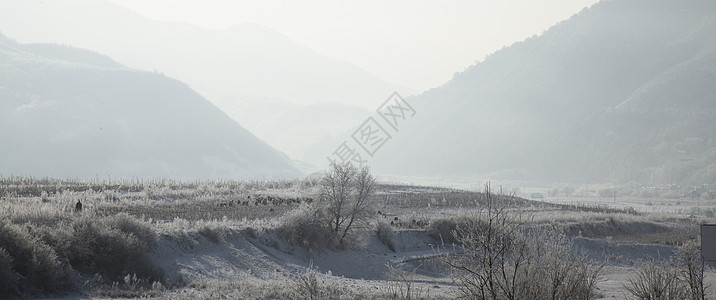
(306,227)
(502,259)
(680,277)
(442,229)
(308,286)
(213,234)
(692,266)
(28,265)
(8,277)
(402,284)
(113,246)
(385,234)
(656,280)
(132,226)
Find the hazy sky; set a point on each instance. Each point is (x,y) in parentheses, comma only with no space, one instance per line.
(418,44)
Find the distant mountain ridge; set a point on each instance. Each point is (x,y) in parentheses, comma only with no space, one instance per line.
(245,60)
(624,91)
(69,112)
(308,133)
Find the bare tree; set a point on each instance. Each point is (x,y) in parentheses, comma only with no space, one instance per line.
(692,264)
(502,257)
(345,191)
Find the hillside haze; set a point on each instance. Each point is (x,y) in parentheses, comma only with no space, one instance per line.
(227,66)
(245,60)
(307,133)
(68,112)
(624,91)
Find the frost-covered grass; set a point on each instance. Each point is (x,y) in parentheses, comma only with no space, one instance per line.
(44,258)
(47,248)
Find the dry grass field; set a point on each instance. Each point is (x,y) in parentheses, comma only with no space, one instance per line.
(209,240)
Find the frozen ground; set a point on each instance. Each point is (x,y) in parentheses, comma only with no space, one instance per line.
(243,256)
(248,256)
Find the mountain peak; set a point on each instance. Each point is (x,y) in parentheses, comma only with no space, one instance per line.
(78,120)
(616,93)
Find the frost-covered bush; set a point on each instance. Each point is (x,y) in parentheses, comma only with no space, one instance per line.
(133,226)
(307,228)
(385,234)
(309,286)
(113,246)
(441,229)
(656,280)
(502,258)
(680,277)
(8,277)
(402,284)
(212,233)
(344,203)
(28,265)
